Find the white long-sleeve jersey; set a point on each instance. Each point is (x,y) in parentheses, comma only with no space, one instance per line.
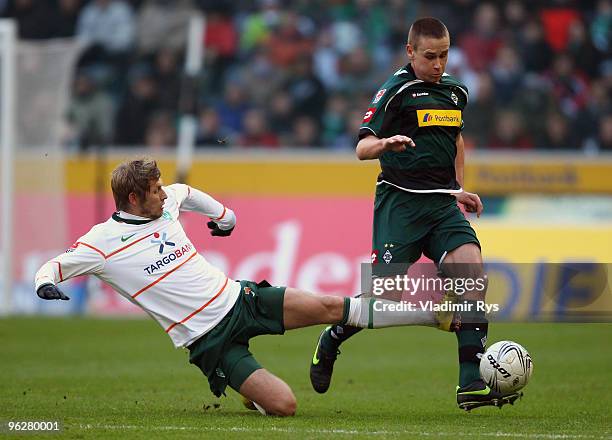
(155,265)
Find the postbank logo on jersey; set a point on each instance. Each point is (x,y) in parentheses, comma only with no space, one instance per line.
(447,118)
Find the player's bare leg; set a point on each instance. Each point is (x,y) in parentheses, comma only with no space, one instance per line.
(462,262)
(471,327)
(303,309)
(269,392)
(468,260)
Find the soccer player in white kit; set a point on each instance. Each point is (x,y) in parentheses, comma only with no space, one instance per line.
(143,252)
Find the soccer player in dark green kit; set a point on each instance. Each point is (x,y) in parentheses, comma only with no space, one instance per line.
(413,127)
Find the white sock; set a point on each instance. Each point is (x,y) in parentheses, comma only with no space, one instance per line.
(354,310)
(380,313)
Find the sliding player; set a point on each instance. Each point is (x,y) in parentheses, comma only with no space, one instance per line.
(143,252)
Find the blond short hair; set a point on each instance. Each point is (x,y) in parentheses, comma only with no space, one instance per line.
(133,176)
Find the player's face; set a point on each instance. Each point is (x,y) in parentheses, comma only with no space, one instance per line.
(153,204)
(429,57)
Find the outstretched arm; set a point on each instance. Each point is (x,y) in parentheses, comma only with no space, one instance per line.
(372,147)
(80,259)
(223,219)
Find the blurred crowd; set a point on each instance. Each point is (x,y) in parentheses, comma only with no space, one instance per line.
(298,73)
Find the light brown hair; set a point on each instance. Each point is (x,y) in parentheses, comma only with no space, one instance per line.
(426,27)
(134,176)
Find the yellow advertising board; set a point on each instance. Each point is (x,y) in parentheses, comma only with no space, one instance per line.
(334,175)
(548,272)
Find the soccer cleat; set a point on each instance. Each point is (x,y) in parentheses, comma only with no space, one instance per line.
(479,394)
(322,366)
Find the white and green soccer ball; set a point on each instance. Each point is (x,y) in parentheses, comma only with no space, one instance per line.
(506,367)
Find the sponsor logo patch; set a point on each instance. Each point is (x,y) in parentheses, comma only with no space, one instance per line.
(167,259)
(162,242)
(379,95)
(368,116)
(447,118)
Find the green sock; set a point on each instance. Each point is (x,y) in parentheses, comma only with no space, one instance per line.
(471,339)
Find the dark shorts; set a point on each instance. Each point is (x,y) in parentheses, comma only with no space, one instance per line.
(407,225)
(223,353)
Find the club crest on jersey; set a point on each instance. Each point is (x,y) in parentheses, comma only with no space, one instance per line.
(163,242)
(379,95)
(454,98)
(387,256)
(368,116)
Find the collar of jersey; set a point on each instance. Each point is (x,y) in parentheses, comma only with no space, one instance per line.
(130,219)
(410,70)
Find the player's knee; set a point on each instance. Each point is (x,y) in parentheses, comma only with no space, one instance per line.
(465,266)
(454,269)
(284,406)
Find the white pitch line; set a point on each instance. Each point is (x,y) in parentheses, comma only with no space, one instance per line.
(433,434)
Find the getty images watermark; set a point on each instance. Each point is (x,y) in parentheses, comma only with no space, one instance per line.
(386,286)
(425,287)
(410,284)
(571,291)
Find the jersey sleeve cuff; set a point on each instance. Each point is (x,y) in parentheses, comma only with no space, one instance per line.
(366,131)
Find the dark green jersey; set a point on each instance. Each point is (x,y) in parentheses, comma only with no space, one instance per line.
(430,114)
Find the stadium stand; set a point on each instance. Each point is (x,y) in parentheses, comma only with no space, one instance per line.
(539,72)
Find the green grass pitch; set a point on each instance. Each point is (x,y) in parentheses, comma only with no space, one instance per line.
(123,379)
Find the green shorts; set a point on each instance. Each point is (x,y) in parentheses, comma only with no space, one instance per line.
(407,225)
(223,353)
